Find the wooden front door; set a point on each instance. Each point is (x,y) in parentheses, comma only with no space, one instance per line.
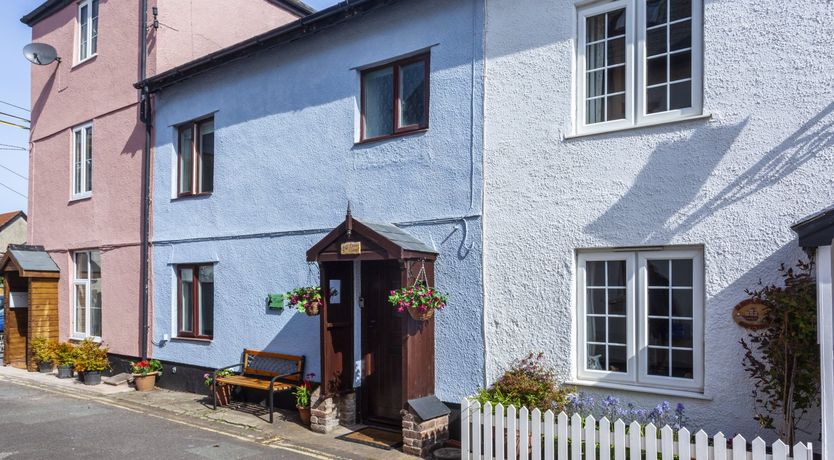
(382,344)
(337,324)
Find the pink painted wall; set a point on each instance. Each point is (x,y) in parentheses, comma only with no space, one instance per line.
(65,95)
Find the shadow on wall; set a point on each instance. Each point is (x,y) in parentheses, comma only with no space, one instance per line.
(698,156)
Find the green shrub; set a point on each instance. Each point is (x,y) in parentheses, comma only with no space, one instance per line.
(43,350)
(91,357)
(65,353)
(529,383)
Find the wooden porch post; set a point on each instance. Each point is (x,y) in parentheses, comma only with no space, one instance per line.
(825,321)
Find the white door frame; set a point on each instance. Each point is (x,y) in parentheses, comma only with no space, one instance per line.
(825,334)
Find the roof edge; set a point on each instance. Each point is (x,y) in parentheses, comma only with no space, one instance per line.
(816,229)
(43,11)
(298,7)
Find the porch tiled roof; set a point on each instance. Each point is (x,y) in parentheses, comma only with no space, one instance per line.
(399,237)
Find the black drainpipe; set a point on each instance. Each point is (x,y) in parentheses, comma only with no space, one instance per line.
(145,117)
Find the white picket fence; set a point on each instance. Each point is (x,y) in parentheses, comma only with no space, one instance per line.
(507,433)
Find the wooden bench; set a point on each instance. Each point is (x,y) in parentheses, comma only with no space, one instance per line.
(261,370)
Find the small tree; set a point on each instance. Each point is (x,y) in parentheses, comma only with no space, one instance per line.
(783,357)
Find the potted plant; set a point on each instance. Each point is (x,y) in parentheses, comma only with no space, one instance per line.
(65,359)
(144,373)
(420,300)
(92,361)
(43,352)
(306,299)
(302,399)
(223,391)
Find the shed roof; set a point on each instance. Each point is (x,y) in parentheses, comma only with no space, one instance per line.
(816,229)
(29,259)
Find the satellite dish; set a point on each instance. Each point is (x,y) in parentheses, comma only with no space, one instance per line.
(40,53)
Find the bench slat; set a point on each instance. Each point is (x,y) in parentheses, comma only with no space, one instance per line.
(251,382)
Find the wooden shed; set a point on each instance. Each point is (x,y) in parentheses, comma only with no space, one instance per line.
(31,306)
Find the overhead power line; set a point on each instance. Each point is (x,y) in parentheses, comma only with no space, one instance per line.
(15,106)
(13,147)
(13,190)
(15,173)
(15,116)
(15,125)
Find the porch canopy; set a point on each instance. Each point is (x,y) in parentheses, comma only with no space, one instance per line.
(383,257)
(31,305)
(816,233)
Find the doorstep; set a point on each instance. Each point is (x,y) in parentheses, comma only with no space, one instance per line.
(52,380)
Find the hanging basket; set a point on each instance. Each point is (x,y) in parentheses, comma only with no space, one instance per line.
(312,308)
(418,315)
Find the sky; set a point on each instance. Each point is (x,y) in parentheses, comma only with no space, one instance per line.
(14,89)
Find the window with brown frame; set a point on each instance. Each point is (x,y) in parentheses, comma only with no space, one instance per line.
(195,158)
(395,98)
(195,301)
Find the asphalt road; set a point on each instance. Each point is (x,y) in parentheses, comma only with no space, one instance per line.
(36,424)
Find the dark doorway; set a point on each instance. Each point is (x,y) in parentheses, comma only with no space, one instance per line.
(337,319)
(382,344)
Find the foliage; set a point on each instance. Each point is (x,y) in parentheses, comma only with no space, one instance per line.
(43,350)
(65,354)
(302,392)
(207,377)
(146,367)
(663,414)
(782,359)
(91,357)
(529,382)
(305,297)
(418,298)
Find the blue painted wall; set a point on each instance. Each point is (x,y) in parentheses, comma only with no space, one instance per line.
(286,165)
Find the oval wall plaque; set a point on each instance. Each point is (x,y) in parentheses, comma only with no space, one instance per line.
(750,314)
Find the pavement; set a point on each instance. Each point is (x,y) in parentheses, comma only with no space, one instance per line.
(42,416)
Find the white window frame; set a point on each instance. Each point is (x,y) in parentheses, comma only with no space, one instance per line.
(637,314)
(80,36)
(76,281)
(86,182)
(636,115)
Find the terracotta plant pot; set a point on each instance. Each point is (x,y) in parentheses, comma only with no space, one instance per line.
(224,394)
(304,413)
(312,308)
(144,382)
(65,372)
(421,315)
(45,368)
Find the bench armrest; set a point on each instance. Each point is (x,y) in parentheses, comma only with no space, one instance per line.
(214,373)
(272,382)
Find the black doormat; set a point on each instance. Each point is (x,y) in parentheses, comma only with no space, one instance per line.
(375,437)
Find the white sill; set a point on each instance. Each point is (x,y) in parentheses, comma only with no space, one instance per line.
(706,116)
(81,338)
(688,394)
(84,61)
(82,196)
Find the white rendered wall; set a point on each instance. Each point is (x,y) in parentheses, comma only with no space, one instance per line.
(734,183)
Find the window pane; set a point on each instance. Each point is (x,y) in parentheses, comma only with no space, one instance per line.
(656,99)
(617,359)
(78,162)
(88,160)
(595,28)
(186,301)
(658,272)
(595,273)
(81,308)
(206,148)
(95,265)
(94,44)
(616,273)
(412,93)
(658,361)
(655,12)
(659,332)
(596,83)
(682,364)
(680,9)
(595,56)
(682,303)
(83,18)
(186,163)
(656,68)
(616,82)
(596,329)
(680,35)
(616,23)
(681,95)
(616,301)
(596,301)
(680,66)
(656,41)
(206,292)
(616,51)
(682,272)
(682,333)
(617,330)
(81,266)
(595,109)
(596,357)
(616,107)
(95,308)
(658,302)
(378,90)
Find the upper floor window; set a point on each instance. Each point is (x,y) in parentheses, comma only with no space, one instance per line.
(641,318)
(87,29)
(82,161)
(86,297)
(195,301)
(395,98)
(195,158)
(639,63)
